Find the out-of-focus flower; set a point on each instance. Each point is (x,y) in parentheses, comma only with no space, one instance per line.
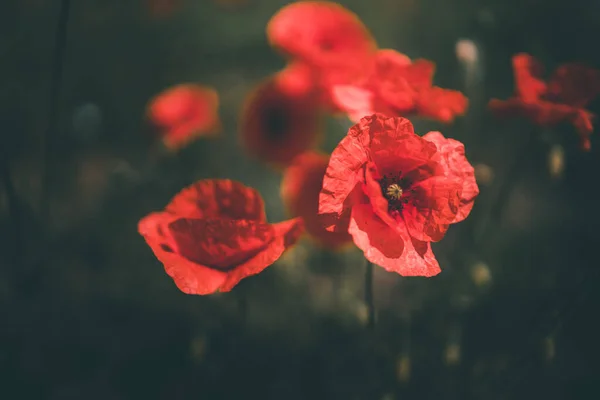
(276,125)
(396,192)
(213,234)
(330,43)
(320,33)
(300,190)
(562,98)
(397,86)
(185,112)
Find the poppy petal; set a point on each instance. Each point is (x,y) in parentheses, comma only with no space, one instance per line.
(441,104)
(189,277)
(343,176)
(574,84)
(432,207)
(527,71)
(394,250)
(300,188)
(455,164)
(285,233)
(354,100)
(396,149)
(219,243)
(218,198)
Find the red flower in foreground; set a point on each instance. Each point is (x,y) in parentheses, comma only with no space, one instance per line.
(213,234)
(396,86)
(563,98)
(185,112)
(276,126)
(300,190)
(396,192)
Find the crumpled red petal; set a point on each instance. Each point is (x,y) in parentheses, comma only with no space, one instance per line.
(300,188)
(392,249)
(185,112)
(189,277)
(286,235)
(219,243)
(432,207)
(218,198)
(455,163)
(277,126)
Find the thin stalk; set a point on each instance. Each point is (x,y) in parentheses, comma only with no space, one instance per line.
(369,295)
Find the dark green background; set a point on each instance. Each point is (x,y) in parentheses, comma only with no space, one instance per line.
(86,312)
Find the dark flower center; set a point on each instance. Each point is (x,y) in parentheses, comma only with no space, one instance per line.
(394,189)
(277,123)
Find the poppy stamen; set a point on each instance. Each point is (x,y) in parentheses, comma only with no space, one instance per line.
(394,192)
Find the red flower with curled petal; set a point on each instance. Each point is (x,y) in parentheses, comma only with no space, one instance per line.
(396,86)
(563,98)
(300,188)
(213,234)
(396,192)
(185,112)
(277,124)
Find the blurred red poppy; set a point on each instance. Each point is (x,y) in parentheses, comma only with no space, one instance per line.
(397,192)
(394,85)
(185,112)
(276,125)
(214,233)
(320,33)
(300,188)
(563,98)
(320,38)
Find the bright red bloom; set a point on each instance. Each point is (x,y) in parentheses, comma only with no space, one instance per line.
(213,234)
(276,125)
(185,112)
(397,191)
(321,34)
(563,98)
(300,188)
(394,86)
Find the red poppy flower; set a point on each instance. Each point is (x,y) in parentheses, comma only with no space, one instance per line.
(396,86)
(563,98)
(276,126)
(300,190)
(185,112)
(320,33)
(397,191)
(213,234)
